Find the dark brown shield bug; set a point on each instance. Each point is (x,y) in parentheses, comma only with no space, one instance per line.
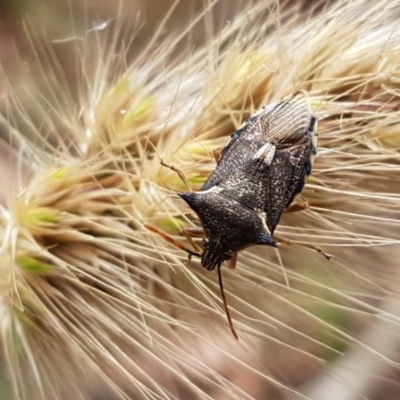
(258,174)
(260,171)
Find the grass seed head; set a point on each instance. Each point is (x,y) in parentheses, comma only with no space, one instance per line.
(87,289)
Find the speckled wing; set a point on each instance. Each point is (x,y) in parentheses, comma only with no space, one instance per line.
(283,123)
(289,127)
(287,176)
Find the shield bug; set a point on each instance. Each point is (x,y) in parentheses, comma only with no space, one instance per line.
(259,173)
(261,170)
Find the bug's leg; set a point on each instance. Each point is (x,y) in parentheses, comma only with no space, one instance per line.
(302,244)
(191,231)
(232,262)
(297,207)
(179,172)
(217,154)
(228,315)
(172,241)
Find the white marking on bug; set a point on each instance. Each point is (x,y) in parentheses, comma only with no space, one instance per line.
(263,217)
(266,153)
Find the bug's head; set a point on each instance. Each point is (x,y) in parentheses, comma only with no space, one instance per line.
(214,254)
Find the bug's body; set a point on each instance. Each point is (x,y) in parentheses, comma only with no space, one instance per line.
(261,170)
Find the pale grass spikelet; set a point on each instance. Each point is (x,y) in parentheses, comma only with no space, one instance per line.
(91,297)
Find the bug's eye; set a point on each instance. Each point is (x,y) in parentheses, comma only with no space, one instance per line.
(205,242)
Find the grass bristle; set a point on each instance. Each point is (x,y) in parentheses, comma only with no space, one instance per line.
(91,297)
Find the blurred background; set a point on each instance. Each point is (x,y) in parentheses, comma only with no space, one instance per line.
(27,25)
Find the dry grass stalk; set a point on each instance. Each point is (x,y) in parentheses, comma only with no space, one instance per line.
(82,280)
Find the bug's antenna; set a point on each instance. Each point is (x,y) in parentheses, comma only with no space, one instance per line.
(172,241)
(228,315)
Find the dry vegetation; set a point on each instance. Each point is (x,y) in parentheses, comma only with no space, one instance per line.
(91,298)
